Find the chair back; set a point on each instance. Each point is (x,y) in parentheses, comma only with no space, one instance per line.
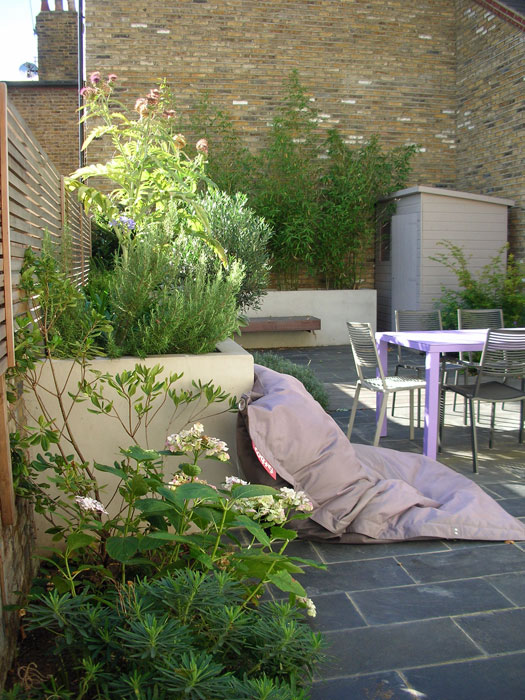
(415,321)
(418,320)
(480,318)
(503,354)
(364,348)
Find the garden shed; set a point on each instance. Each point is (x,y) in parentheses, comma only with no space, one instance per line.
(406,276)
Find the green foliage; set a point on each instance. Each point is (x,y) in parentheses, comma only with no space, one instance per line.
(497,286)
(355,179)
(285,180)
(160,306)
(230,163)
(149,170)
(244,237)
(185,635)
(66,325)
(317,193)
(304,374)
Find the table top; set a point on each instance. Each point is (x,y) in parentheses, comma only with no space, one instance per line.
(436,341)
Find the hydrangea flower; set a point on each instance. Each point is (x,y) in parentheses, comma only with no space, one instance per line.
(296,499)
(194,440)
(232,480)
(90,504)
(308,604)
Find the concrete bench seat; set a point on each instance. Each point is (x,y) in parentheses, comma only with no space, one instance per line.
(264,324)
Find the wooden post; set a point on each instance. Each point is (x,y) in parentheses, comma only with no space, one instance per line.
(7,496)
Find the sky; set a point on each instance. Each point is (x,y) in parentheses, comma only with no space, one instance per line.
(17,39)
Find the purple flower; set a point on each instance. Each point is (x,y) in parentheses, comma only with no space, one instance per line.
(111,78)
(94,78)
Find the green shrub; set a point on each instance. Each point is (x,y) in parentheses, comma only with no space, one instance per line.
(318,193)
(304,374)
(244,237)
(160,305)
(497,286)
(186,635)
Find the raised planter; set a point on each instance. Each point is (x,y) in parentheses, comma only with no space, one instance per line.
(332,307)
(101,437)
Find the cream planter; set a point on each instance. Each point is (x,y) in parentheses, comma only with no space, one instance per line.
(333,306)
(100,437)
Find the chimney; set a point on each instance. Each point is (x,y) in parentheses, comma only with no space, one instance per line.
(57,42)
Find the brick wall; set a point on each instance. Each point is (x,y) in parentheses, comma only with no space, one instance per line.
(445,74)
(491,109)
(370,67)
(50,111)
(57,45)
(17,568)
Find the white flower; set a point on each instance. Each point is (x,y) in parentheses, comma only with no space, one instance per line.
(308,604)
(232,480)
(90,504)
(296,499)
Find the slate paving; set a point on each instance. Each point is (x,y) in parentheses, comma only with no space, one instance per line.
(436,619)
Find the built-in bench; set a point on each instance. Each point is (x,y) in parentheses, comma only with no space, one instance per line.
(270,324)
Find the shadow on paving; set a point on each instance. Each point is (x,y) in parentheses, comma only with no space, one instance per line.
(436,619)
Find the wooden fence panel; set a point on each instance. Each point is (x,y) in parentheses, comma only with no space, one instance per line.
(33,203)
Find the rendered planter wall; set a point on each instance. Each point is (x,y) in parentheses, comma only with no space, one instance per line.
(101,437)
(333,307)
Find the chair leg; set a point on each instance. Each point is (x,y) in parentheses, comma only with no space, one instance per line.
(442,400)
(474,436)
(354,410)
(411,414)
(382,414)
(492,422)
(522,419)
(396,372)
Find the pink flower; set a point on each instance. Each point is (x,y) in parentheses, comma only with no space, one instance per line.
(94,78)
(111,78)
(179,141)
(168,113)
(202,146)
(153,96)
(87,91)
(141,106)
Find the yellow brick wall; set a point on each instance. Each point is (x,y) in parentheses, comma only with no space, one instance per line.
(491,110)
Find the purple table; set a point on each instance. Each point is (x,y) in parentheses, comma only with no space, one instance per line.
(433,343)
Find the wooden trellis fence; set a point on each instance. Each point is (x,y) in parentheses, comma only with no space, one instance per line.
(33,201)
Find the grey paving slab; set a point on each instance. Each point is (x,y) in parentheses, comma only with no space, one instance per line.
(335,611)
(355,576)
(498,631)
(390,647)
(511,585)
(426,601)
(331,553)
(377,686)
(497,678)
(461,602)
(466,562)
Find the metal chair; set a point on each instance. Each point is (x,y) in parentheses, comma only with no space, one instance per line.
(476,318)
(414,360)
(503,357)
(366,357)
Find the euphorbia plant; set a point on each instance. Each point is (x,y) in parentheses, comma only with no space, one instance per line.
(149,168)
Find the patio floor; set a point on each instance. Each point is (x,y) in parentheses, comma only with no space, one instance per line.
(443,620)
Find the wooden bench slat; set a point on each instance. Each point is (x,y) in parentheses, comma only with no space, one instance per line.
(282,323)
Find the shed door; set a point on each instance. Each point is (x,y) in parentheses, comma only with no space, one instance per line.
(406,255)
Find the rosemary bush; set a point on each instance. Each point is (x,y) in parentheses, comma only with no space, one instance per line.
(159,306)
(304,374)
